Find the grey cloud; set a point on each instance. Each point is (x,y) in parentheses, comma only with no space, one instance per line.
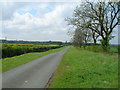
(8,8)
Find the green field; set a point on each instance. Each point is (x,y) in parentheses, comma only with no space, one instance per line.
(12,62)
(80,68)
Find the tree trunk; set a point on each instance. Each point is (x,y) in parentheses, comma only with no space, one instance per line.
(95,41)
(94,38)
(105,43)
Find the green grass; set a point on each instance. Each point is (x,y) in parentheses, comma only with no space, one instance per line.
(85,69)
(111,50)
(12,62)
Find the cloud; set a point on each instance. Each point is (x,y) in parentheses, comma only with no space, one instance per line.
(8,8)
(38,21)
(47,22)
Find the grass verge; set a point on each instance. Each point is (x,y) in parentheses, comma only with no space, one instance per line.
(12,62)
(86,69)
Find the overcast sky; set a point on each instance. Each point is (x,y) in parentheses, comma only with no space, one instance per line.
(38,20)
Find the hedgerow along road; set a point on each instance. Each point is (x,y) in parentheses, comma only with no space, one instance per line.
(34,74)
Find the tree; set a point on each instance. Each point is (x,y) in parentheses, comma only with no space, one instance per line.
(104,16)
(78,38)
(59,43)
(99,17)
(79,20)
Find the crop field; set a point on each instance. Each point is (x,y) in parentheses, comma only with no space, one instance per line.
(9,50)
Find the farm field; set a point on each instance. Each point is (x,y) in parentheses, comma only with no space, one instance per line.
(9,50)
(12,62)
(81,68)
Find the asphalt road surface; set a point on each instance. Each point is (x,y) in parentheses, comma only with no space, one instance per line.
(34,74)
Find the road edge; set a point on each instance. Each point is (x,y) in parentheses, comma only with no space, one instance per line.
(51,78)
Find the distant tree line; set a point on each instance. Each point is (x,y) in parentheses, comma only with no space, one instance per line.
(93,20)
(35,42)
